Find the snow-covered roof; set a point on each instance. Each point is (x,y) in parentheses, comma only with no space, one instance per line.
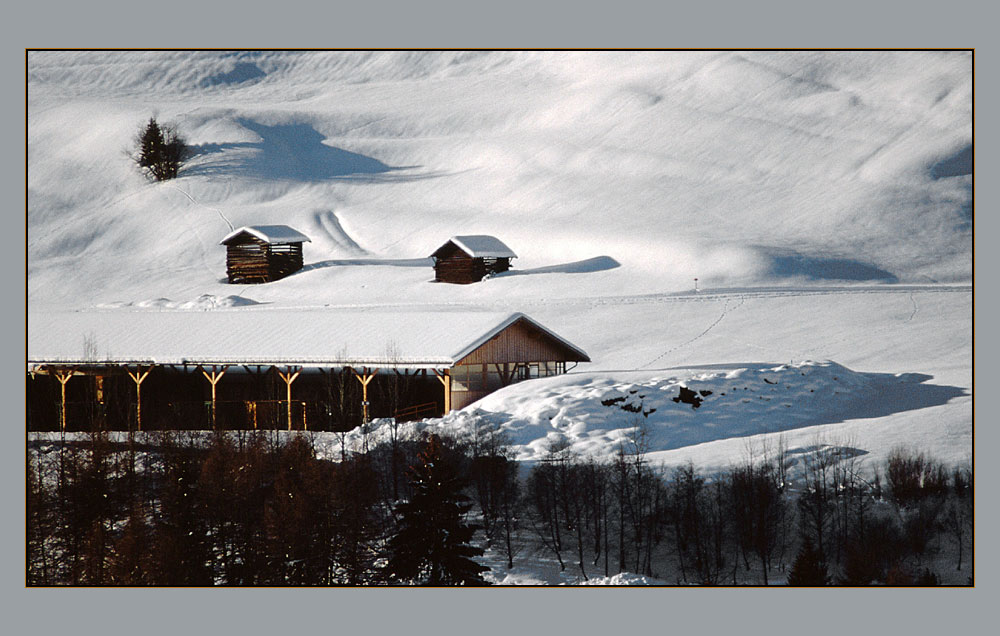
(483,246)
(308,337)
(269,234)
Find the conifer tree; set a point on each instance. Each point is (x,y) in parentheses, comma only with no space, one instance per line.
(431,546)
(808,569)
(161,151)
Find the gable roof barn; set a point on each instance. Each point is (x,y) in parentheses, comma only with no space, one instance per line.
(263,253)
(469,259)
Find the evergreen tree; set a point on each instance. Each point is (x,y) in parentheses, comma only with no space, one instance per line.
(431,546)
(808,569)
(161,151)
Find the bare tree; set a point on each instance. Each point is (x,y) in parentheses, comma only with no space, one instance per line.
(815,504)
(756,507)
(394,388)
(543,492)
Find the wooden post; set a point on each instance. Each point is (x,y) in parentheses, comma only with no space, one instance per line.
(505,372)
(252,410)
(63,377)
(213,379)
(445,378)
(289,377)
(138,377)
(252,404)
(364,378)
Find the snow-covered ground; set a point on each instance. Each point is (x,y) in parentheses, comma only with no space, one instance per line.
(822,200)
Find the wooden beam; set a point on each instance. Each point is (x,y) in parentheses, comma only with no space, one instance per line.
(445,378)
(252,411)
(138,377)
(505,371)
(365,377)
(213,379)
(289,377)
(63,377)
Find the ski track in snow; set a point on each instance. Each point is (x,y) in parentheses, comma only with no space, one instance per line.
(915,308)
(198,203)
(329,223)
(742,294)
(725,311)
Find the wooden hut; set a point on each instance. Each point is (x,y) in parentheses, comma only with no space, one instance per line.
(263,253)
(469,259)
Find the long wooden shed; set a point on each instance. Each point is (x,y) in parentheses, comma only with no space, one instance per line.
(470,259)
(263,253)
(316,368)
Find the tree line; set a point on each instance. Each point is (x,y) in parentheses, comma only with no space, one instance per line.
(902,523)
(248,508)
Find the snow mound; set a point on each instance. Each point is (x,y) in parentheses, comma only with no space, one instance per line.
(624,578)
(595,414)
(203,302)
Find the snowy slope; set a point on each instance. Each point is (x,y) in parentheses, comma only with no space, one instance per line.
(822,200)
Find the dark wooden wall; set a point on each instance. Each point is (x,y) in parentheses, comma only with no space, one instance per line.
(251,260)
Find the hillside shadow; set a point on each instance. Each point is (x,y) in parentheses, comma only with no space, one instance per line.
(294,152)
(957,165)
(587,266)
(242,73)
(792,264)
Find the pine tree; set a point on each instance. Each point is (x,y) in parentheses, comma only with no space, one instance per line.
(161,150)
(432,546)
(808,569)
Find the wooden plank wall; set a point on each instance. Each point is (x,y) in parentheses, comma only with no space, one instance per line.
(255,261)
(520,342)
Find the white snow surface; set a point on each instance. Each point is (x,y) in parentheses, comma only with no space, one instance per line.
(270,234)
(482,246)
(315,336)
(822,200)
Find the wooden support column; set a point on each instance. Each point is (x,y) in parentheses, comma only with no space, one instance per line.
(256,372)
(252,412)
(289,377)
(138,377)
(365,377)
(445,378)
(213,379)
(505,371)
(63,377)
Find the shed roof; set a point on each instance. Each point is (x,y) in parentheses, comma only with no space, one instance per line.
(269,234)
(307,337)
(482,246)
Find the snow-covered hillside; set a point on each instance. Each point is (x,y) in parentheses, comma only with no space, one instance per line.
(823,200)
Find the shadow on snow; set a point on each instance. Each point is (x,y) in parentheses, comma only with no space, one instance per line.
(725,414)
(294,152)
(587,266)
